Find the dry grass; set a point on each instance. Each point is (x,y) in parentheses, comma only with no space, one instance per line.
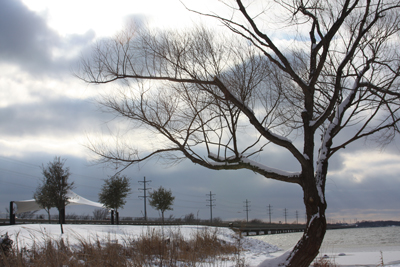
(324,262)
(152,248)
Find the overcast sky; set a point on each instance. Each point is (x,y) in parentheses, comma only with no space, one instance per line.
(46,112)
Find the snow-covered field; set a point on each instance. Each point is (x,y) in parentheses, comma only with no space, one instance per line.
(256,251)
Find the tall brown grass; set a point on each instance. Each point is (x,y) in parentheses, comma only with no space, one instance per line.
(324,262)
(151,248)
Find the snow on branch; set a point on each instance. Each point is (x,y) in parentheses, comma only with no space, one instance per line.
(280,137)
(271,170)
(242,162)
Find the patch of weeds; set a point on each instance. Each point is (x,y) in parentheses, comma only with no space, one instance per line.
(168,248)
(324,262)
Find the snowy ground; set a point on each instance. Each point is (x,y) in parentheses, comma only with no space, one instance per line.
(256,251)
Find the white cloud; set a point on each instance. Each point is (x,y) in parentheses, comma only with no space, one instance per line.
(364,164)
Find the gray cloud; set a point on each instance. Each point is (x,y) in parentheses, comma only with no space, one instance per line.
(28,42)
(52,117)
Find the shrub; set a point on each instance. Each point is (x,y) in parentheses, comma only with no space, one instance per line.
(324,262)
(5,244)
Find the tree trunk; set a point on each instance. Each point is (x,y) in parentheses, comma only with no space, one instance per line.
(308,246)
(48,214)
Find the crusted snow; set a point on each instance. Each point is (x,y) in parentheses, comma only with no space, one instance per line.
(278,136)
(277,261)
(270,169)
(254,251)
(215,156)
(253,163)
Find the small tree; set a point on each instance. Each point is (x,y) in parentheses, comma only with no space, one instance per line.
(162,200)
(114,192)
(57,186)
(42,196)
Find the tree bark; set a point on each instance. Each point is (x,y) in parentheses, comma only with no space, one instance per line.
(308,246)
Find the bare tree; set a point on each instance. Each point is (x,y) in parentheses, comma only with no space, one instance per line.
(27,214)
(100,214)
(197,91)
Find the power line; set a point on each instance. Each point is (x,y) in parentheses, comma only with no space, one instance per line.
(37,166)
(269,212)
(20,162)
(17,184)
(285,214)
(247,209)
(29,175)
(144,195)
(211,204)
(188,195)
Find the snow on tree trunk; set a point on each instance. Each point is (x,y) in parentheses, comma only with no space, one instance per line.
(308,246)
(306,249)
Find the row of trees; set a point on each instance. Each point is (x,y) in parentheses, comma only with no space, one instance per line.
(52,191)
(116,188)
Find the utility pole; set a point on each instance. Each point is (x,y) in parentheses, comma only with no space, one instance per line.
(269,212)
(247,209)
(211,204)
(297,217)
(144,195)
(285,214)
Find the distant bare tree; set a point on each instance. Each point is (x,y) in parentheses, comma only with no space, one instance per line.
(100,214)
(189,218)
(222,102)
(27,214)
